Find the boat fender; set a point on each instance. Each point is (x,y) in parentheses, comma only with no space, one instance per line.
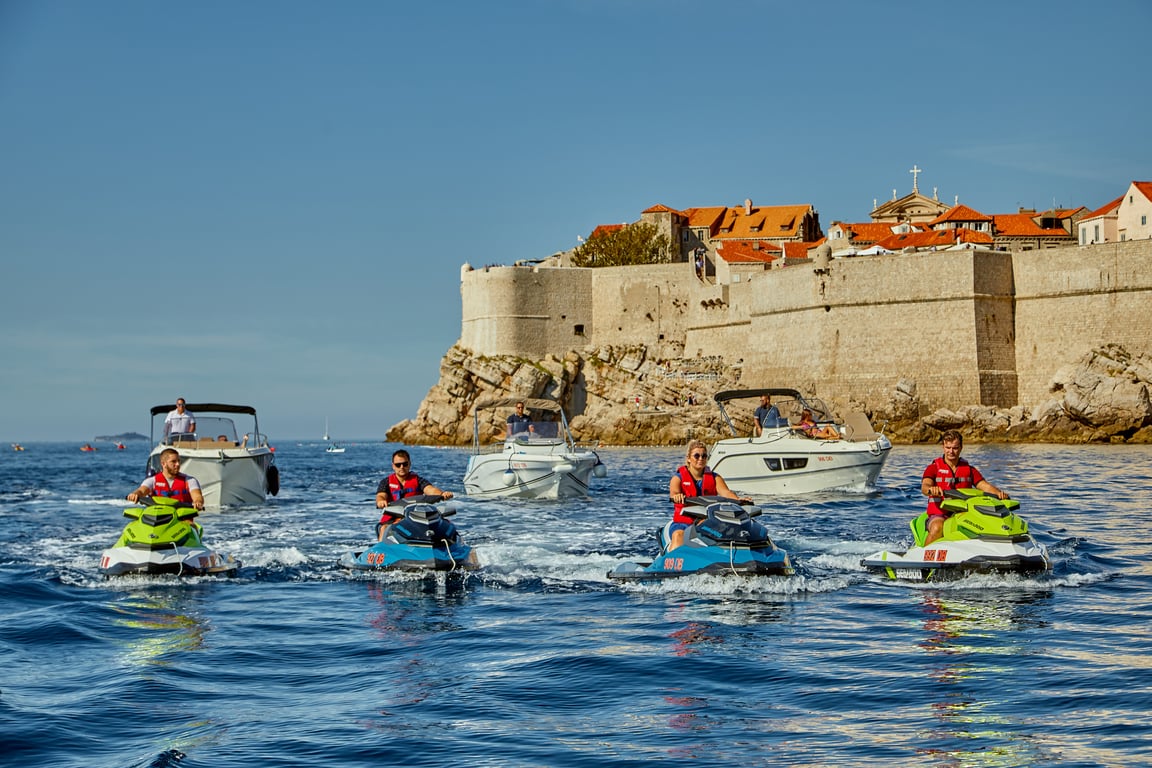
(273,477)
(563,467)
(599,470)
(509,478)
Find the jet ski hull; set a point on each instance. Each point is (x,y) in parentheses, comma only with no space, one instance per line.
(173,561)
(389,556)
(946,560)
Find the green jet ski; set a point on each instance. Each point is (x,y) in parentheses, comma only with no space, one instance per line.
(162,538)
(982,534)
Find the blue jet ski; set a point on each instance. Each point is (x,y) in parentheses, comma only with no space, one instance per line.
(421,539)
(724,540)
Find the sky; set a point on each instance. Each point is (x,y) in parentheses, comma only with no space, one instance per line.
(269,202)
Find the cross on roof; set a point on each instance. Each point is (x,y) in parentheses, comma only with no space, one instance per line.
(915,173)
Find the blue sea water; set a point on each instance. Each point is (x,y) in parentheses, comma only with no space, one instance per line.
(540,660)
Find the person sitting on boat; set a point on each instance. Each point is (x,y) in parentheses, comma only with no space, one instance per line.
(519,421)
(170,482)
(945,473)
(810,428)
(693,478)
(179,421)
(767,415)
(401,483)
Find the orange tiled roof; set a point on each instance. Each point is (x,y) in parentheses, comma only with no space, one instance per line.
(705,217)
(780,221)
(1105,209)
(939,238)
(661,208)
(794,250)
(1021,225)
(744,251)
(1145,188)
(606,229)
(960,213)
(869,231)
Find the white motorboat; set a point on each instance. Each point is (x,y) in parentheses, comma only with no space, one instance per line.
(232,470)
(334,448)
(540,462)
(786,461)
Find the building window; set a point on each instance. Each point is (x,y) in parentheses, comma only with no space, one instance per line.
(1096,233)
(1144,221)
(578,329)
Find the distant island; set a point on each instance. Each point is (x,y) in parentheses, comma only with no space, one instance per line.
(121,437)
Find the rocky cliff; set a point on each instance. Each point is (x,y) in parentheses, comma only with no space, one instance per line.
(624,396)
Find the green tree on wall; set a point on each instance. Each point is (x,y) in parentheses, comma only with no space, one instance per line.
(639,243)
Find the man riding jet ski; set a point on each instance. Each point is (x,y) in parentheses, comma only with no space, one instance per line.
(722,540)
(163,539)
(981,533)
(422,539)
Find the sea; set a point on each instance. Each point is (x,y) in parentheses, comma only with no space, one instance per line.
(538,659)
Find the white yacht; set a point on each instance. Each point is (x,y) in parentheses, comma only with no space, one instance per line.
(233,469)
(785,461)
(540,462)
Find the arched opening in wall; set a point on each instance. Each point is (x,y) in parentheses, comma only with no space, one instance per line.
(578,329)
(827,308)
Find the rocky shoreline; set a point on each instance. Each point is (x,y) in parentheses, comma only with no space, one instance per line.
(622,396)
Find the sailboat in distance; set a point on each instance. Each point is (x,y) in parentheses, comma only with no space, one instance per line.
(334,447)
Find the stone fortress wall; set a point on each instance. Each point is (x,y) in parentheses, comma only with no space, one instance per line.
(969,327)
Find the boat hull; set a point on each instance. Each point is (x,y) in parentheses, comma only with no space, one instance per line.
(228,476)
(528,471)
(779,463)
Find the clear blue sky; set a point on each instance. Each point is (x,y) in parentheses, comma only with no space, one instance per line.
(268,202)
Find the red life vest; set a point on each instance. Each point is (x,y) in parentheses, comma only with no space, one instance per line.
(177,489)
(964,476)
(688,487)
(398,490)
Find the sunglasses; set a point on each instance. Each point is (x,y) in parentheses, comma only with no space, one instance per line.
(699,455)
(401,463)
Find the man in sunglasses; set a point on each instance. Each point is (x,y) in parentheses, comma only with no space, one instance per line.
(400,484)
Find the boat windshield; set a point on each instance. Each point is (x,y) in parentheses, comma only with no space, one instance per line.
(210,428)
(539,430)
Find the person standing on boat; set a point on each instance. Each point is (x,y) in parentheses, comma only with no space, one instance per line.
(693,478)
(401,483)
(519,421)
(170,482)
(945,473)
(767,415)
(179,421)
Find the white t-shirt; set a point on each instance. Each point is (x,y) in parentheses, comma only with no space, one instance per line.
(176,422)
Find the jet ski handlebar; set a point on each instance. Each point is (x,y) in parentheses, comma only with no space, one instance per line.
(446,507)
(697,506)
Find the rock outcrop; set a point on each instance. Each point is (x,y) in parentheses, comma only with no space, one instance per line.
(623,396)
